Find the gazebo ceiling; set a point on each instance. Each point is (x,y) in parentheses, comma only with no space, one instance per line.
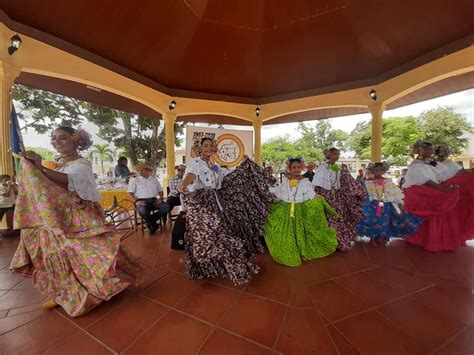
(254,51)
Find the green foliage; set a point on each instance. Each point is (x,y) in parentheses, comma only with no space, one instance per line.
(46,154)
(41,110)
(439,126)
(314,140)
(103,152)
(141,138)
(444,126)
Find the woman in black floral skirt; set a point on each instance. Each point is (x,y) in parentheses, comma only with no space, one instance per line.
(224,218)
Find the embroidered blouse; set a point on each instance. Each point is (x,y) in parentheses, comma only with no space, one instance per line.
(388,191)
(300,192)
(205,175)
(326,178)
(420,172)
(81,179)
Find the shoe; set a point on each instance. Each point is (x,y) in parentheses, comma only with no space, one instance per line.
(49,305)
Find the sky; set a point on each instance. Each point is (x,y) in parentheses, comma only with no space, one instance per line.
(463,102)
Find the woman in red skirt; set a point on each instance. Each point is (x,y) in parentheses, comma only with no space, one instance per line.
(447,223)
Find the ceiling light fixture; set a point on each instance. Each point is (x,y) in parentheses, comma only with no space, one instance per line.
(93,88)
(373,94)
(15,44)
(257,111)
(172,105)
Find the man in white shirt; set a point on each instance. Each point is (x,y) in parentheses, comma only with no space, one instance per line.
(147,192)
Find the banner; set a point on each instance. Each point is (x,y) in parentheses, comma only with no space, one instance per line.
(16,138)
(232,145)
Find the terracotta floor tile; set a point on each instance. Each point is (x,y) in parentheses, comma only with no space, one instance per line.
(342,344)
(270,284)
(369,289)
(303,332)
(208,302)
(335,266)
(78,344)
(20,298)
(405,282)
(422,323)
(174,334)
(155,273)
(457,302)
(255,318)
(25,309)
(221,342)
(171,288)
(36,336)
(12,322)
(373,335)
(227,283)
(462,344)
(9,280)
(300,296)
(121,326)
(101,310)
(358,256)
(334,301)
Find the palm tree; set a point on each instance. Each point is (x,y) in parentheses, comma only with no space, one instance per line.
(104,153)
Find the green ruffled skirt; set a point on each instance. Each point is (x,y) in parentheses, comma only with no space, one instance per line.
(305,235)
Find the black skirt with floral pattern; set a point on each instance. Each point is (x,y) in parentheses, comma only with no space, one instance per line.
(224,228)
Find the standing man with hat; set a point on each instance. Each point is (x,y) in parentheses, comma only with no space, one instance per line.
(147,192)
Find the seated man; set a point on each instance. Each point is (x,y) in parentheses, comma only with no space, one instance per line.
(174,198)
(8,193)
(144,190)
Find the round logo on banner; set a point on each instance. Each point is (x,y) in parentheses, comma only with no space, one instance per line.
(230,150)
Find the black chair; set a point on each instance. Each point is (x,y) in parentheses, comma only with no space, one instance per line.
(120,217)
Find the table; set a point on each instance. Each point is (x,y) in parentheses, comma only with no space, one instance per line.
(107,198)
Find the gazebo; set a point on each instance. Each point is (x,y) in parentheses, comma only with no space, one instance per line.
(237,62)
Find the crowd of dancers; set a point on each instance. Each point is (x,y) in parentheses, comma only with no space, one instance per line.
(74,255)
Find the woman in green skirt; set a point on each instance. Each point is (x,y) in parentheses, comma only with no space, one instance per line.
(297,226)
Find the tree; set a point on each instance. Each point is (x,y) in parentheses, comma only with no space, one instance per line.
(46,154)
(399,134)
(103,152)
(39,110)
(277,150)
(445,126)
(142,138)
(310,146)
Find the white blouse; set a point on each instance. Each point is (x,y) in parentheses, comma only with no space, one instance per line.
(419,172)
(448,169)
(81,179)
(302,192)
(206,177)
(326,178)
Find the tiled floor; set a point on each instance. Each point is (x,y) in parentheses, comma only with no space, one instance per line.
(394,300)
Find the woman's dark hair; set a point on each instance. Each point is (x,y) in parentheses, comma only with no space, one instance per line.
(206,139)
(67,129)
(294,160)
(121,159)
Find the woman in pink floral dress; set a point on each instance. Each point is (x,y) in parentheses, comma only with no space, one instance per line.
(72,254)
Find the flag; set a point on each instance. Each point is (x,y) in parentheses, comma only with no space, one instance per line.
(17,140)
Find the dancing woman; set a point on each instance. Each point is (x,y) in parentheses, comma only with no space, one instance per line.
(68,248)
(224,218)
(344,194)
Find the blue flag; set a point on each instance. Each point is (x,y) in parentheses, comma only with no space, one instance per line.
(17,140)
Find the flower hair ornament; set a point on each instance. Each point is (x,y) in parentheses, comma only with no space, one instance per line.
(291,160)
(419,145)
(82,140)
(383,165)
(442,151)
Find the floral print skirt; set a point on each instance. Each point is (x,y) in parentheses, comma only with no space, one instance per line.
(224,228)
(67,247)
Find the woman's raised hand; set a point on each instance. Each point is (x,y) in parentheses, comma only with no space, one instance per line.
(34,157)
